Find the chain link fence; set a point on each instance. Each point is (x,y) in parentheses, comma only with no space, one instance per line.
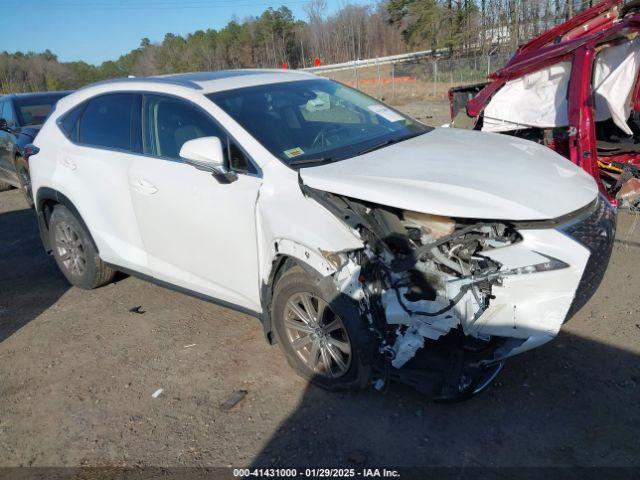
(419,79)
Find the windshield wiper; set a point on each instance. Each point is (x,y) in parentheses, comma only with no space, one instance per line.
(387,142)
(378,146)
(308,161)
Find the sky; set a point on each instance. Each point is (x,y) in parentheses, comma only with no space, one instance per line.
(98,30)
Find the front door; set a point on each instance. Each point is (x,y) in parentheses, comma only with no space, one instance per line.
(198,234)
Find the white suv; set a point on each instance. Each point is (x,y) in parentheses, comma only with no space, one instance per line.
(370,246)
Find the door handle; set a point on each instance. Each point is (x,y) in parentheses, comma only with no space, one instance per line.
(67,162)
(144,186)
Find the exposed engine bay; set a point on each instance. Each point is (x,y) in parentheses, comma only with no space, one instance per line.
(423,283)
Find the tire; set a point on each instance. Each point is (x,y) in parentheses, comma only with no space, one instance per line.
(348,339)
(75,253)
(5,186)
(22,169)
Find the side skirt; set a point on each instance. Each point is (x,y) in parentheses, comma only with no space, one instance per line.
(191,293)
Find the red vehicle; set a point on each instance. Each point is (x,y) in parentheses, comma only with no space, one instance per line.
(574,88)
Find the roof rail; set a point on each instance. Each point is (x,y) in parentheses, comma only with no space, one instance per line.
(161,80)
(193,79)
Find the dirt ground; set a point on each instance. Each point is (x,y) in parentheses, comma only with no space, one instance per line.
(78,370)
(431,112)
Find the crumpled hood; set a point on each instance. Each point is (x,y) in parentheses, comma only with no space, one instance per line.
(461,173)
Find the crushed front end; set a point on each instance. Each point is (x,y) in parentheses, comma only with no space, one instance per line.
(449,300)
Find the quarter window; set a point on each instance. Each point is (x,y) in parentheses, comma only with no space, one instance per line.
(107,121)
(238,160)
(69,123)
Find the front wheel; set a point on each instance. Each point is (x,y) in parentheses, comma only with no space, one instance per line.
(75,253)
(331,351)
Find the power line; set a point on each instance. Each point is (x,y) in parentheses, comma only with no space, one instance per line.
(170,5)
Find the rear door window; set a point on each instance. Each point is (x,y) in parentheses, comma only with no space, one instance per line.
(108,121)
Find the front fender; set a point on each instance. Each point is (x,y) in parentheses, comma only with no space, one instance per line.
(296,228)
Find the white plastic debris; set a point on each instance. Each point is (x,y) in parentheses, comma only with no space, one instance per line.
(190,345)
(406,347)
(430,327)
(378,384)
(347,280)
(157,393)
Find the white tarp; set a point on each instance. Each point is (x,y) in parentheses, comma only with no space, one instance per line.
(615,73)
(538,99)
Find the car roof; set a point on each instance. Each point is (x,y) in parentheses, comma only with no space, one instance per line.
(216,80)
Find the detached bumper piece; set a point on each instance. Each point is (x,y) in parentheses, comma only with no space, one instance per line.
(451,369)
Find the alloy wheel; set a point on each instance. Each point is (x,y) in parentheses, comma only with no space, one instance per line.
(317,335)
(70,249)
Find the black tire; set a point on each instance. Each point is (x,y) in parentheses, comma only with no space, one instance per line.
(362,346)
(22,169)
(74,251)
(5,186)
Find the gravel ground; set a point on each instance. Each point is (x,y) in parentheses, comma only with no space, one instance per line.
(431,112)
(78,370)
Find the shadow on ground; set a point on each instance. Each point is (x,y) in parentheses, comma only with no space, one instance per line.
(572,402)
(30,281)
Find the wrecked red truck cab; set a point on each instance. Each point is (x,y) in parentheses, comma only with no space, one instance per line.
(575,89)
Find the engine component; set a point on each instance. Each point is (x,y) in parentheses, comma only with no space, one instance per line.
(430,271)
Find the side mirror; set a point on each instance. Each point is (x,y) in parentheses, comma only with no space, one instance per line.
(206,154)
(4,125)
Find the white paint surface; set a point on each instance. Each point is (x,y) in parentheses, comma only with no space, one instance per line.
(461,173)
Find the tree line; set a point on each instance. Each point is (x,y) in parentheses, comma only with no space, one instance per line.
(275,38)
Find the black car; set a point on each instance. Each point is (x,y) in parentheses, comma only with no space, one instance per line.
(21,116)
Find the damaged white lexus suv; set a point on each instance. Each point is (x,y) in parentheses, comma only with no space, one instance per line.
(372,248)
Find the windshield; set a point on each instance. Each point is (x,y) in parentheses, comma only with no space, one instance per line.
(34,109)
(305,123)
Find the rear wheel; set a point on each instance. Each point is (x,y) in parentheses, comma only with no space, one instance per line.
(22,168)
(74,252)
(328,350)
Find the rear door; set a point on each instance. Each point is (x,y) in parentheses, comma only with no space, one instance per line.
(199,234)
(93,169)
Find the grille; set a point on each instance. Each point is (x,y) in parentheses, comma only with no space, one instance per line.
(596,231)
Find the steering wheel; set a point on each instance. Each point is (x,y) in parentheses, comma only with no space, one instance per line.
(322,137)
